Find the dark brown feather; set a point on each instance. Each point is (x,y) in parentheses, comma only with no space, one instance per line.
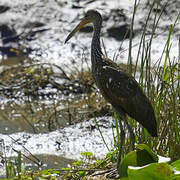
(125,94)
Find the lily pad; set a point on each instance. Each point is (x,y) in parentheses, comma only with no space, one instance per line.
(154,171)
(140,157)
(145,155)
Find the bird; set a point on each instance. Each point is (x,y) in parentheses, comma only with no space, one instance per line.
(118,87)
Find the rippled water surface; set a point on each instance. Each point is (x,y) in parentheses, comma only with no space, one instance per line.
(41,27)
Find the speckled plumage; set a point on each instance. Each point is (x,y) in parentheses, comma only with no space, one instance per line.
(125,94)
(117,87)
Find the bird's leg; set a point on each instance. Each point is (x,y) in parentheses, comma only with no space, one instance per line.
(122,138)
(132,136)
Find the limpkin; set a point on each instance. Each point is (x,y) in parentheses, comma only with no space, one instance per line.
(117,87)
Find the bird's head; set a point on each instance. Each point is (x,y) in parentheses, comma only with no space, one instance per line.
(90,17)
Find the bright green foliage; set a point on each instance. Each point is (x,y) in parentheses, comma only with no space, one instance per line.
(112,155)
(144,151)
(87,154)
(140,157)
(176,165)
(66,169)
(38,175)
(82,173)
(154,171)
(123,178)
(175,177)
(77,163)
(14,166)
(129,160)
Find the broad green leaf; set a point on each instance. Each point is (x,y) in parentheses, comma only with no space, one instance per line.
(145,151)
(123,178)
(140,157)
(175,177)
(176,165)
(129,160)
(154,171)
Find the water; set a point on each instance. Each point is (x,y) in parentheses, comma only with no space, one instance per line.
(43,26)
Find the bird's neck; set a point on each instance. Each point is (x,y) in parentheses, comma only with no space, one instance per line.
(96,53)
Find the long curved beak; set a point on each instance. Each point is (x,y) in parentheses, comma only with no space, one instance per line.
(77,28)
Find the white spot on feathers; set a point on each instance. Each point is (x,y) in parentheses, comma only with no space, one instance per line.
(110,80)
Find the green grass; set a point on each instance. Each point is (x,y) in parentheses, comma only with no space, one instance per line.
(161,85)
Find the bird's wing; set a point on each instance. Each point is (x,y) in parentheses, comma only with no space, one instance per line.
(125,94)
(122,91)
(118,82)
